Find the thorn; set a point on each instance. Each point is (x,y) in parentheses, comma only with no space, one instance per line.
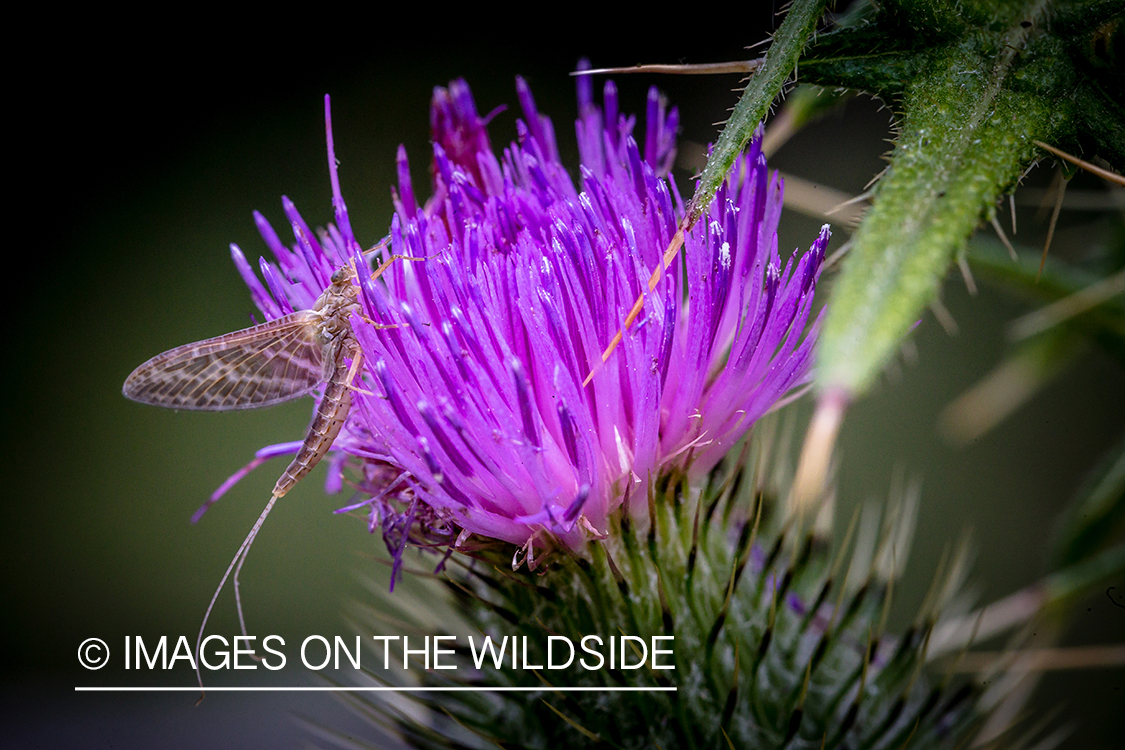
(997,395)
(1043,204)
(1051,228)
(1093,168)
(943,317)
(967,274)
(1068,307)
(965,648)
(875,179)
(1003,237)
(737,66)
(1042,659)
(835,257)
(855,199)
(821,201)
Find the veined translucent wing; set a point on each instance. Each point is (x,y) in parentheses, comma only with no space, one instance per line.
(273,362)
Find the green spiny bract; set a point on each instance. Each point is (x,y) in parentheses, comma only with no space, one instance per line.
(771,647)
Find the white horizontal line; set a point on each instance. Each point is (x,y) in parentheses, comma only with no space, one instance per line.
(329,689)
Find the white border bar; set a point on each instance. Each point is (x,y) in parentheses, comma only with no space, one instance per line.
(329,689)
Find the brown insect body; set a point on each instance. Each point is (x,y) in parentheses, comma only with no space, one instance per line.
(334,334)
(331,413)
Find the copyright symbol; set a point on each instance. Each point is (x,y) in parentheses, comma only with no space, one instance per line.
(93,653)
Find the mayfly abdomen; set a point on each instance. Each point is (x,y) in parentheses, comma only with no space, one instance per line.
(331,413)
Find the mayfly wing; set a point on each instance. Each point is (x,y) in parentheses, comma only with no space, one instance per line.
(269,363)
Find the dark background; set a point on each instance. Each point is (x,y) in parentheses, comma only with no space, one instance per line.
(138,155)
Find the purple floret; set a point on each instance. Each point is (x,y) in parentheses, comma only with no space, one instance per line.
(472,418)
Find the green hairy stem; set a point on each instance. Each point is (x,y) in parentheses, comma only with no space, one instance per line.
(973,85)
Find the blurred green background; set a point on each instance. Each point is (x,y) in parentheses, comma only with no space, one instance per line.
(145,155)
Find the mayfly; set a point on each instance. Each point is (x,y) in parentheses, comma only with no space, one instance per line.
(267,364)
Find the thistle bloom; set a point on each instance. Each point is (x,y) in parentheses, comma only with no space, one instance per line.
(473,415)
(472,419)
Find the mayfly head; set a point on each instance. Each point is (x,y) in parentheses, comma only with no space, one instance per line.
(343,275)
(340,296)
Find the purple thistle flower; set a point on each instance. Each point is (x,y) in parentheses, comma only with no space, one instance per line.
(473,417)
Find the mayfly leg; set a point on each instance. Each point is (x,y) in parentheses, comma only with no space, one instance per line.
(387,264)
(238,590)
(330,415)
(239,556)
